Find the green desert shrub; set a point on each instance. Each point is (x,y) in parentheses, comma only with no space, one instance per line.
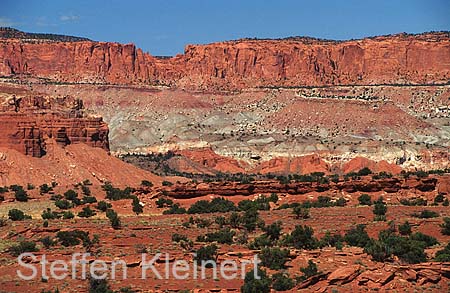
(282,282)
(17,215)
(445,227)
(260,284)
(357,236)
(86,212)
(302,237)
(22,247)
(365,199)
(274,258)
(426,214)
(103,206)
(113,218)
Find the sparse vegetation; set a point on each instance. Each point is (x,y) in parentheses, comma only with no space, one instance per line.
(86,212)
(274,257)
(17,215)
(445,227)
(426,214)
(365,199)
(113,218)
(22,247)
(309,271)
(256,285)
(380,209)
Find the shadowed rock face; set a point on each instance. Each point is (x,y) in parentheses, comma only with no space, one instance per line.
(28,121)
(397,59)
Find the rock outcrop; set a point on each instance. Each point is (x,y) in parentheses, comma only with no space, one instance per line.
(388,185)
(27,122)
(395,59)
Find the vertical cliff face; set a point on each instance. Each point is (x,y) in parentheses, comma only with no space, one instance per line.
(75,61)
(28,122)
(398,59)
(384,60)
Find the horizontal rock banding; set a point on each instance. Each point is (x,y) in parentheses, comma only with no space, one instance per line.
(396,59)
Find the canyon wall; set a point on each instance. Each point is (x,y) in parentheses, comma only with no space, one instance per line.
(28,122)
(396,59)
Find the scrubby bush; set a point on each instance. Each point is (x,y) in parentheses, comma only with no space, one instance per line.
(274,258)
(364,172)
(250,219)
(309,271)
(439,198)
(273,198)
(408,249)
(99,286)
(282,282)
(21,195)
(260,284)
(300,212)
(167,183)
(235,220)
(113,193)
(218,204)
(178,237)
(45,188)
(70,195)
(86,191)
(220,221)
(301,238)
(17,215)
(413,202)
(137,207)
(380,209)
(47,241)
(428,240)
(405,228)
(175,209)
(22,247)
(103,206)
(379,250)
(163,202)
(443,255)
(365,199)
(146,183)
(205,254)
(63,204)
(261,203)
(89,199)
(86,212)
(113,218)
(426,214)
(72,238)
(334,240)
(223,236)
(445,227)
(357,236)
(260,242)
(68,215)
(48,214)
(273,231)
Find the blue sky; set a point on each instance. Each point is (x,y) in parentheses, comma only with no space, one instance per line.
(164,27)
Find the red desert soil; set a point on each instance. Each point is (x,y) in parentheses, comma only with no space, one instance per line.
(153,232)
(69,165)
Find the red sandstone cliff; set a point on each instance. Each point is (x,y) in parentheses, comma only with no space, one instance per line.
(27,122)
(239,64)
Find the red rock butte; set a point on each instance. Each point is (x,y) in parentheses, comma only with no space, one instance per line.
(29,121)
(246,63)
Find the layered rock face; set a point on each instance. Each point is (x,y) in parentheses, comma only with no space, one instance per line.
(28,121)
(397,59)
